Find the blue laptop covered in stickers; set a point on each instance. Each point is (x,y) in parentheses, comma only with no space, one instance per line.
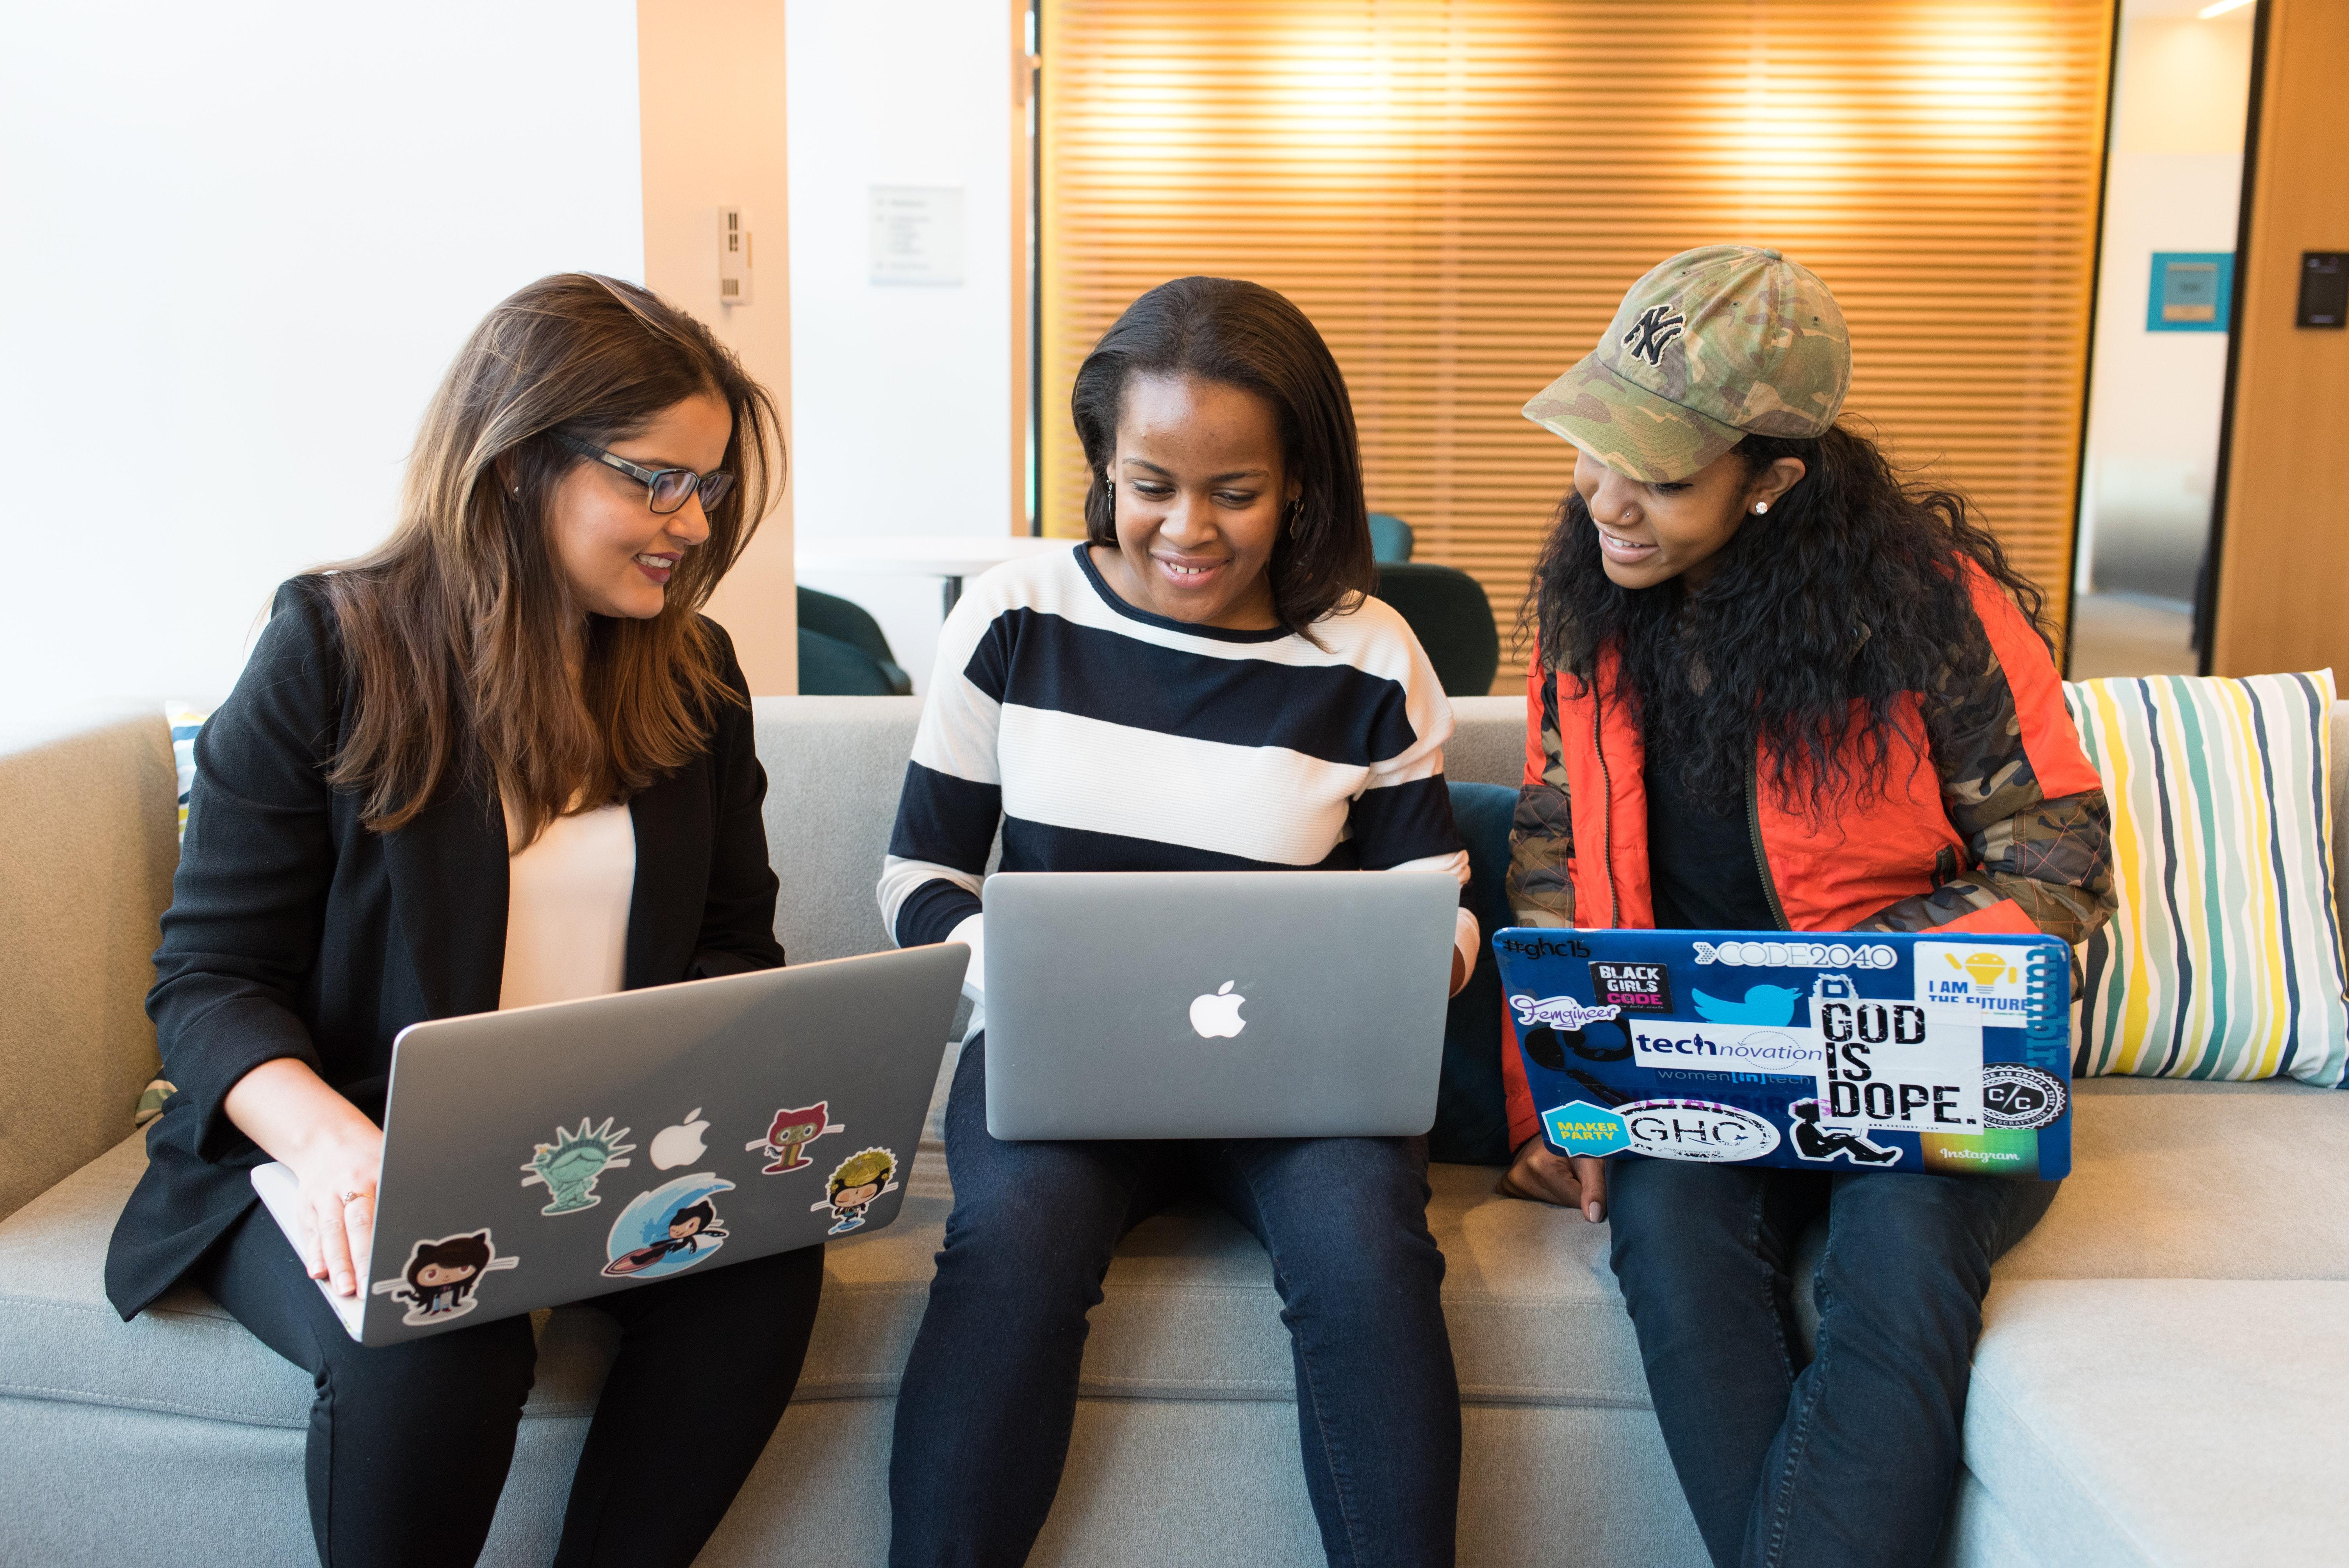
(553,1153)
(1941,1052)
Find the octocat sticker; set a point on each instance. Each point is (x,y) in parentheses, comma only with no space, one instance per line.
(438,1283)
(668,1229)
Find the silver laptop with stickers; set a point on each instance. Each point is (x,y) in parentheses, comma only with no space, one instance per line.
(1216,1003)
(552,1153)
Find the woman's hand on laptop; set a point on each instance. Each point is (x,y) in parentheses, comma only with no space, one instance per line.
(1575,1182)
(333,1150)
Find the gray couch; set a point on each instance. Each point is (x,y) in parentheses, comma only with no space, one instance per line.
(2163,1379)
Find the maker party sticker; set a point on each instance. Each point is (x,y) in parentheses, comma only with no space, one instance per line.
(1699,1130)
(1579,1126)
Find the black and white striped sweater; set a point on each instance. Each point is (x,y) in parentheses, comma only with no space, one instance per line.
(1102,738)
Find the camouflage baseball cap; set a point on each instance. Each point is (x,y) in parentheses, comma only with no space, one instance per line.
(1716,344)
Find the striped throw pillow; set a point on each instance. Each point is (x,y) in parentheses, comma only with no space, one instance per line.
(2224,959)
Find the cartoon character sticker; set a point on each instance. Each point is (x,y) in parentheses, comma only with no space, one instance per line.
(855,1182)
(668,1229)
(1813,1140)
(568,1167)
(438,1283)
(790,1134)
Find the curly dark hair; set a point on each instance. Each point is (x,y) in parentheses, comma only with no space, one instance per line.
(1851,593)
(1244,335)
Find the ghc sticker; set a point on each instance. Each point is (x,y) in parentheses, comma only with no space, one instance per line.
(1697,1130)
(1579,1126)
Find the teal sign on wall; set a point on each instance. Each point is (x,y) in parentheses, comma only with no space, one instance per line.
(2190,291)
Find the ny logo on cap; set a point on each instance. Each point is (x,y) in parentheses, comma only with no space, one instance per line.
(1653,332)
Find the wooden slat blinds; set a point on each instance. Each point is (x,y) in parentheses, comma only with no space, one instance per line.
(1458,193)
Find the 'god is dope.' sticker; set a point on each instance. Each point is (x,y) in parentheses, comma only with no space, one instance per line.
(1893,1065)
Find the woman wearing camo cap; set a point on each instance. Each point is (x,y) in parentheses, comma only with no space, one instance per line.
(1779,688)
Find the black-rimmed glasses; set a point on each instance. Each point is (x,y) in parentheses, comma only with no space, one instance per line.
(669,487)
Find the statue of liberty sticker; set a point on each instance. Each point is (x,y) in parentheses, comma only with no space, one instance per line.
(568,1167)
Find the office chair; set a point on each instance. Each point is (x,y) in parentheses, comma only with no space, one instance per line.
(1449,614)
(847,641)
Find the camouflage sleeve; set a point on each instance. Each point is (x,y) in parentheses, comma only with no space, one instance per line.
(1541,835)
(2052,858)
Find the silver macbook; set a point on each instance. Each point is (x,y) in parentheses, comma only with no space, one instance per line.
(552,1153)
(1216,1003)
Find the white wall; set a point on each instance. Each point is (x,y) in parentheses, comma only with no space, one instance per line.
(2173,184)
(903,395)
(243,239)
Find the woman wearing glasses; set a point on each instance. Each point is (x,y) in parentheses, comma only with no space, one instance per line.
(500,760)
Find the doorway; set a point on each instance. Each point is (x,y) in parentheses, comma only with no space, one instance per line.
(2151,460)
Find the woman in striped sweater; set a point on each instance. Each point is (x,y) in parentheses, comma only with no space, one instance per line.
(1204,684)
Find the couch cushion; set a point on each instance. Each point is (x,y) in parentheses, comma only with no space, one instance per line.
(2173,1180)
(87,842)
(59,1339)
(833,768)
(2166,1421)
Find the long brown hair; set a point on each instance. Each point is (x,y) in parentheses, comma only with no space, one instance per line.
(454,627)
(1244,335)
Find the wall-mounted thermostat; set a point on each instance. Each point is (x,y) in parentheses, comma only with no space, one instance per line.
(733,257)
(2324,288)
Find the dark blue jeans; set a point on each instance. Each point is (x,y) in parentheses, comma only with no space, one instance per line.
(991,1389)
(1848,1458)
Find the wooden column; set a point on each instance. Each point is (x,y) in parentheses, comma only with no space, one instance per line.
(2283,549)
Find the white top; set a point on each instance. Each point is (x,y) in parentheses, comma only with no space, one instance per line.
(567,909)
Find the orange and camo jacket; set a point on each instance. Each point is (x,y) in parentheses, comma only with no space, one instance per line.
(1989,817)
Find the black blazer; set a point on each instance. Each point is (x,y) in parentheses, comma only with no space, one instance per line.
(296,932)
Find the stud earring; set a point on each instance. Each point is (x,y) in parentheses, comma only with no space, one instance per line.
(1760,506)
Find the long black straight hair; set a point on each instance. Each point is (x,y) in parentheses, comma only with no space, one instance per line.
(1852,589)
(1244,335)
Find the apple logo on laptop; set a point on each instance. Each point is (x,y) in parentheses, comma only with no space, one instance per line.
(1217,1016)
(681,1144)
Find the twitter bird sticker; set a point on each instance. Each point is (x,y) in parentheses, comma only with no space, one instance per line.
(1762,1004)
